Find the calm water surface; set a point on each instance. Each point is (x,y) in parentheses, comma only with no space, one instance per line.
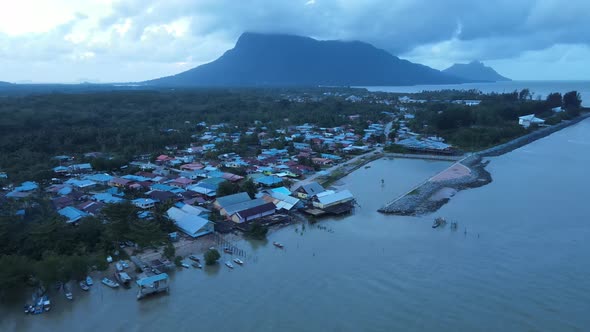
(522,265)
(540,88)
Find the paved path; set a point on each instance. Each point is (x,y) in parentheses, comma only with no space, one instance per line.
(328,171)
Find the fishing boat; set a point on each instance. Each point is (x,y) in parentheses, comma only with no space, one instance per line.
(89,281)
(227,250)
(185,265)
(439,222)
(68,292)
(84,286)
(229,264)
(108,282)
(238,261)
(278,245)
(123,278)
(194,258)
(197,265)
(124,264)
(45,303)
(119,266)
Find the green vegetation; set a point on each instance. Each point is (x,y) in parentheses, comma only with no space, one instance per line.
(212,256)
(169,251)
(492,122)
(227,188)
(41,249)
(124,124)
(257,231)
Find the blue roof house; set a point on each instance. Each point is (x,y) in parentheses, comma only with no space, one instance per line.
(72,214)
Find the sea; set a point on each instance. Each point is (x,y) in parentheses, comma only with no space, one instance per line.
(518,261)
(540,88)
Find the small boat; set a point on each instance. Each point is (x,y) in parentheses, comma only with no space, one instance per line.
(123,278)
(108,282)
(194,258)
(278,245)
(68,292)
(45,303)
(119,266)
(89,281)
(238,261)
(84,286)
(197,265)
(229,264)
(185,265)
(439,222)
(124,264)
(368,166)
(227,250)
(28,308)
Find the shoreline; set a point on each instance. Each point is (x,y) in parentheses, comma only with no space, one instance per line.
(430,195)
(424,198)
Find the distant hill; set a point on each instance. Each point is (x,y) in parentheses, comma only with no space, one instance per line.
(475,71)
(286,60)
(4,83)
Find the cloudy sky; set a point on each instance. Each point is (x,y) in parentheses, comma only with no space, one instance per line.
(133,40)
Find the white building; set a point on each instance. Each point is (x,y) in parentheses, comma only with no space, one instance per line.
(527,120)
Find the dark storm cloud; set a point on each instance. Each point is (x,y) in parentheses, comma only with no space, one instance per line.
(399,26)
(178,34)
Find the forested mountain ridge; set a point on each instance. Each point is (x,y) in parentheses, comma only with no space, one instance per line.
(287,60)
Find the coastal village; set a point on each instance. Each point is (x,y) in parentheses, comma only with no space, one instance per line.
(289,172)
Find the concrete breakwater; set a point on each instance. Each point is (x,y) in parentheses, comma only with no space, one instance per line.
(529,138)
(469,172)
(436,191)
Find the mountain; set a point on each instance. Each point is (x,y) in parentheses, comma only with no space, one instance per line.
(475,71)
(287,60)
(2,83)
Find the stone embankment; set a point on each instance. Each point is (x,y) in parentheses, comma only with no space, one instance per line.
(526,139)
(436,191)
(469,172)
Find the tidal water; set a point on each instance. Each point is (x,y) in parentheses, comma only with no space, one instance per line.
(520,261)
(539,88)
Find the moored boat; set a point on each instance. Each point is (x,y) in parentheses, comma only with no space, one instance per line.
(238,261)
(108,282)
(119,266)
(124,264)
(439,222)
(89,281)
(84,286)
(194,258)
(68,292)
(185,265)
(227,250)
(123,278)
(229,264)
(278,245)
(197,265)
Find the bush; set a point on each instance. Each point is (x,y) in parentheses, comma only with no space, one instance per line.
(169,251)
(177,260)
(212,256)
(257,231)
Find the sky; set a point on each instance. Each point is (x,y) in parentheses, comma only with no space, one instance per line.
(70,41)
